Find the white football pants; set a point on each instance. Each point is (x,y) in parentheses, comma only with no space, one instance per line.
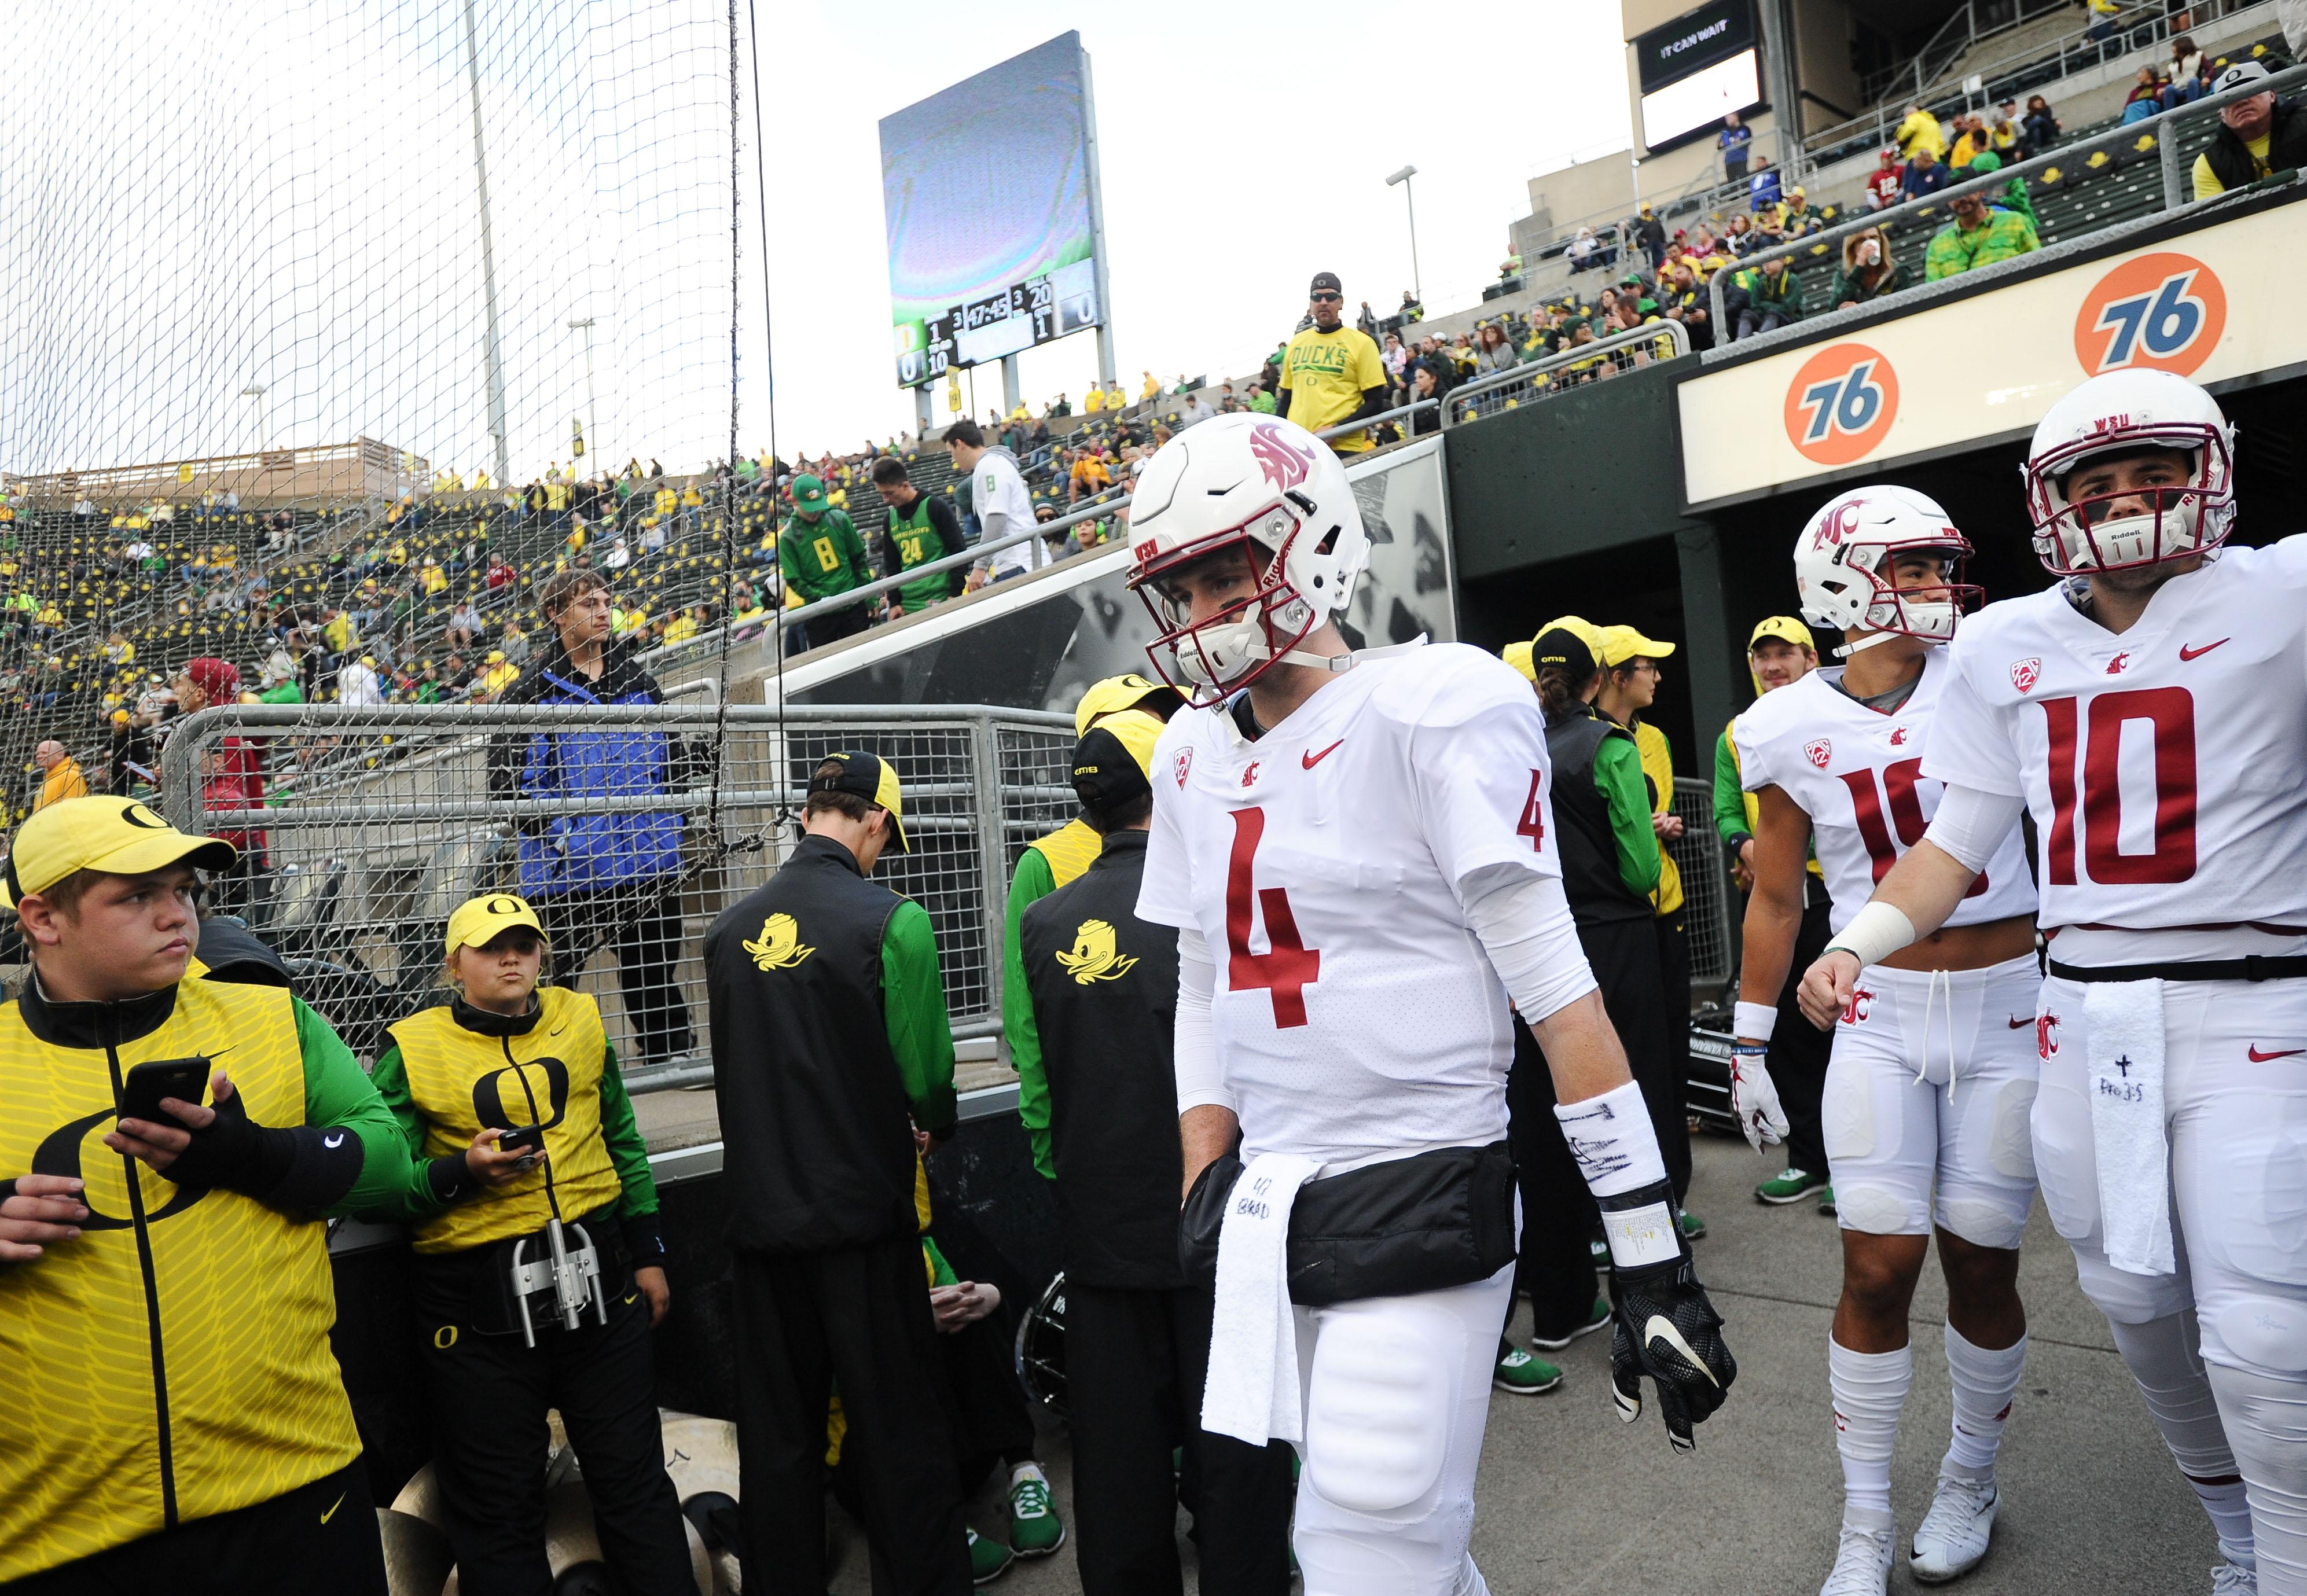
(1397,1391)
(2236,1105)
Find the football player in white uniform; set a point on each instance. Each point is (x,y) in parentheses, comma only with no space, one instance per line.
(1357,852)
(2151,712)
(1933,1075)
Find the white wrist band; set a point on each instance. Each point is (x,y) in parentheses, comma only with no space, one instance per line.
(1875,934)
(1754,1021)
(1613,1140)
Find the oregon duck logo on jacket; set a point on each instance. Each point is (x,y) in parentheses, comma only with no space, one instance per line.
(780,947)
(1094,957)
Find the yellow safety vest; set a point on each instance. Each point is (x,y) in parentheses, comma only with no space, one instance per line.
(1657,767)
(1069,850)
(464,1082)
(172,1363)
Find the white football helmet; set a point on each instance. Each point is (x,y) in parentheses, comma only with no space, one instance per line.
(1268,484)
(2127,410)
(1842,566)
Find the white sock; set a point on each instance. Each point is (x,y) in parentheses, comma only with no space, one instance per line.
(2161,1355)
(1869,1389)
(1984,1381)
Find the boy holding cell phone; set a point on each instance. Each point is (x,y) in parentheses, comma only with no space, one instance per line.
(167,1146)
(528,1154)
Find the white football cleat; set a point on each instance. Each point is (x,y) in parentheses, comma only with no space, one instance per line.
(1951,1538)
(1862,1563)
(2232,1579)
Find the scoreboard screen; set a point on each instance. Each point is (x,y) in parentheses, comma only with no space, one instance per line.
(989,195)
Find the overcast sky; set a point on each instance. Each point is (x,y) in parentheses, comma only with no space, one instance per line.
(280,195)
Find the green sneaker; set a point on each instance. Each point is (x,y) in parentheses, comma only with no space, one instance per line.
(1601,1251)
(1790,1185)
(1693,1228)
(1826,1202)
(1522,1374)
(1598,1319)
(989,1560)
(1034,1529)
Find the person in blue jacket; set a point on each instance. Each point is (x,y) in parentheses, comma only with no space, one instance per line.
(601,877)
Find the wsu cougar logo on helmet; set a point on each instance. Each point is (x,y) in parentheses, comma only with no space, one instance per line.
(1840,523)
(1286,465)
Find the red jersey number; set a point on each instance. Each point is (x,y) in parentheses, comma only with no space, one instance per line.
(2093,745)
(1898,794)
(1533,817)
(1290,966)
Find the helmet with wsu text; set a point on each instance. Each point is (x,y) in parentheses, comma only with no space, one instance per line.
(1271,490)
(2108,527)
(1843,563)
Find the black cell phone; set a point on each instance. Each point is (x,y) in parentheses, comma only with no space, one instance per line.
(148,1083)
(529,1138)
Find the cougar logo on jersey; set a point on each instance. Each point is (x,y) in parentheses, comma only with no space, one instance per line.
(1185,765)
(1284,464)
(780,947)
(2025,673)
(1819,751)
(1249,773)
(2046,1036)
(1094,957)
(1860,1007)
(1898,736)
(2114,666)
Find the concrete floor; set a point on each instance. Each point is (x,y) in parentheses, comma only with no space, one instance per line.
(1572,1501)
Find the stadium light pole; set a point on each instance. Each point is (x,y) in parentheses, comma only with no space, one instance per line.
(592,417)
(492,351)
(1402,177)
(255,391)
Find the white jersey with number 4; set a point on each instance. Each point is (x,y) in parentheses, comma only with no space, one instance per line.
(1355,1017)
(2165,768)
(1856,772)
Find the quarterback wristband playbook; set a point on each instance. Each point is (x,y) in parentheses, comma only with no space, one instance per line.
(1618,1151)
(1875,934)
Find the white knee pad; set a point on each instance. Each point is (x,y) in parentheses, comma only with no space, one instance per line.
(1980,1221)
(1379,1406)
(2160,1354)
(2128,1299)
(1879,1211)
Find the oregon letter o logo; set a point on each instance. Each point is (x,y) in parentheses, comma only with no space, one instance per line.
(1840,405)
(2160,312)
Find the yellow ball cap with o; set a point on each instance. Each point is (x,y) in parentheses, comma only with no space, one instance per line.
(116,836)
(1578,626)
(1517,655)
(1785,629)
(1128,692)
(1623,643)
(478,921)
(872,778)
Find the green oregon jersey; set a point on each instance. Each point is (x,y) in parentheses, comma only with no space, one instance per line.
(173,1362)
(463,1082)
(917,543)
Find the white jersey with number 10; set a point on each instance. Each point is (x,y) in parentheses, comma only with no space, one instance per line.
(1356,1016)
(2165,768)
(1856,772)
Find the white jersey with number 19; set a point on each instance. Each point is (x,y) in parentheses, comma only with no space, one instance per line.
(2165,768)
(1856,772)
(1355,1017)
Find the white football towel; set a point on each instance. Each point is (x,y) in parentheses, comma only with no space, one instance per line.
(1252,1392)
(2125,1022)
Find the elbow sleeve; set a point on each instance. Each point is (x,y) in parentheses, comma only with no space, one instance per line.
(1199,1080)
(1526,925)
(1970,824)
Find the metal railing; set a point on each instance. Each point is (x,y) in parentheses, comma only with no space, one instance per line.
(1564,368)
(2176,194)
(1954,38)
(379,821)
(1709,898)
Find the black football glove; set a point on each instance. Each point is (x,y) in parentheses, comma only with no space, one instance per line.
(1667,1329)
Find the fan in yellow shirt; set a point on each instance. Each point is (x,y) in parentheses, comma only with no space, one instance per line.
(1331,372)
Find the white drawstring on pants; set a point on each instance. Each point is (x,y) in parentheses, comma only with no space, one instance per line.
(1922,1048)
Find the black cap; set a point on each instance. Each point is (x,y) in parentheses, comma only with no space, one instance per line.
(1105,771)
(868,777)
(1559,646)
(1327,281)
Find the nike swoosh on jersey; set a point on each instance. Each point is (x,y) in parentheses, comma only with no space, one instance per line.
(2185,653)
(1658,1327)
(334,1140)
(2022,1025)
(332,1513)
(2289,1052)
(1312,759)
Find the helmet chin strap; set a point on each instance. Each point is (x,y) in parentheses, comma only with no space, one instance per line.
(1846,650)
